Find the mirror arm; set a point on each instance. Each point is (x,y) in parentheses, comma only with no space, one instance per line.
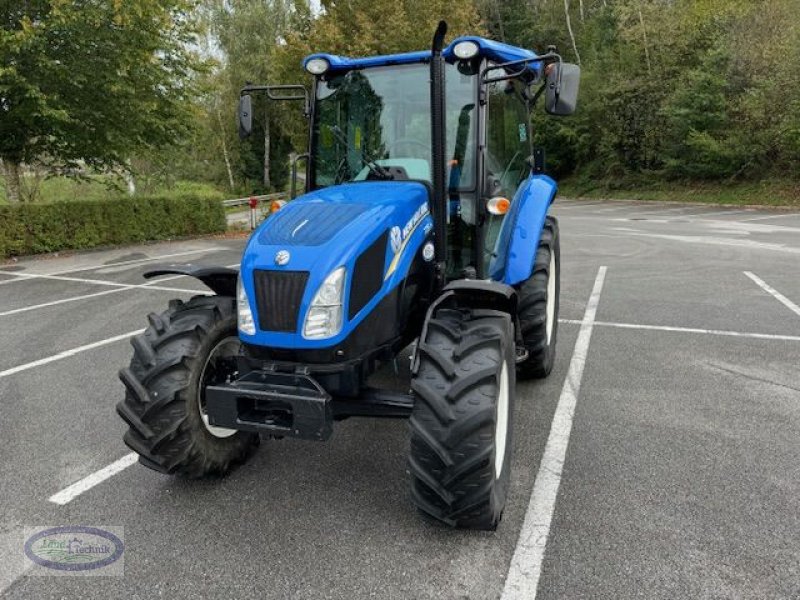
(538,94)
(270,90)
(546,59)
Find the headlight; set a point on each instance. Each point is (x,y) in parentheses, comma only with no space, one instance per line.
(324,317)
(244,315)
(466,50)
(317,66)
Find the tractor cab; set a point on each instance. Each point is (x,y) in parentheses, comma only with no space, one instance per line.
(371,120)
(374,124)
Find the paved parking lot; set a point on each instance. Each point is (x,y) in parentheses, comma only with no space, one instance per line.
(661,459)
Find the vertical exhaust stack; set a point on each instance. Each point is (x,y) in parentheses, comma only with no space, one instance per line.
(438,145)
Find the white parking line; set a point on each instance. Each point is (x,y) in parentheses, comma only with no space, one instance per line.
(611,209)
(68,353)
(774,293)
(76,489)
(725,212)
(713,240)
(772,217)
(118,287)
(116,290)
(526,564)
(573,204)
(16,277)
(683,212)
(654,210)
(722,332)
(137,261)
(117,264)
(99,282)
(23,309)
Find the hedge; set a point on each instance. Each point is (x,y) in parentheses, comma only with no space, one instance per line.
(35,228)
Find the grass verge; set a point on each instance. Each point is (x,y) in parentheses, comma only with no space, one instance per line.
(760,193)
(103,187)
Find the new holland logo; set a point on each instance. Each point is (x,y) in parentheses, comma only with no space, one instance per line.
(395,239)
(282,257)
(398,238)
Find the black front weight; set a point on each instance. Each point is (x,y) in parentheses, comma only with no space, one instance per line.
(279,404)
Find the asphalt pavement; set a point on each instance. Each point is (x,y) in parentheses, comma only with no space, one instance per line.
(661,458)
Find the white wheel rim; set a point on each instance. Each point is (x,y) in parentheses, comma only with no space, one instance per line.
(501,426)
(219,432)
(551,296)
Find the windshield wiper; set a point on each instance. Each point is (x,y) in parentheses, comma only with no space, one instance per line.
(377,170)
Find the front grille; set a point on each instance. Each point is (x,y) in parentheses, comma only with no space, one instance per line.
(278,298)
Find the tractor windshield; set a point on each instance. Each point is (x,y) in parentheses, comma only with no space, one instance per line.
(376,124)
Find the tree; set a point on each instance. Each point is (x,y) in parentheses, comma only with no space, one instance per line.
(247,33)
(91,82)
(364,28)
(688,89)
(264,41)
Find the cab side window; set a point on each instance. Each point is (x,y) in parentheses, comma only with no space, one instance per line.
(507,136)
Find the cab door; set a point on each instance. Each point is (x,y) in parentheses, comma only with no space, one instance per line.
(508,146)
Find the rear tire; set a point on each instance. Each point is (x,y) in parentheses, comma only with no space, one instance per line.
(538,306)
(165,383)
(461,423)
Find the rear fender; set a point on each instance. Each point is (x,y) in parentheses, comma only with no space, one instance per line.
(518,241)
(221,280)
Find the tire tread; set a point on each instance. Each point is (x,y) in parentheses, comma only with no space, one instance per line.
(451,463)
(157,400)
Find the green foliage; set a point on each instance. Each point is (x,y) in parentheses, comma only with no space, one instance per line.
(247,34)
(35,228)
(679,90)
(91,82)
(111,188)
(264,41)
(674,90)
(768,192)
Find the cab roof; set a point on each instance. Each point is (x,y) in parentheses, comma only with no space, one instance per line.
(494,51)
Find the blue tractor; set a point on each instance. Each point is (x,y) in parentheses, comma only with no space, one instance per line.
(423,223)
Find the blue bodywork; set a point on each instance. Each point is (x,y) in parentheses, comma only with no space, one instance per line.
(518,240)
(494,51)
(519,237)
(330,228)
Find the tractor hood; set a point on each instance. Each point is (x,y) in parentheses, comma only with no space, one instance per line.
(373,229)
(327,228)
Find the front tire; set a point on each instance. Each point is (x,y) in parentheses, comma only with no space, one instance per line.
(538,306)
(461,423)
(186,348)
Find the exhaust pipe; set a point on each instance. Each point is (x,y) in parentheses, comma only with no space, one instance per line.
(438,145)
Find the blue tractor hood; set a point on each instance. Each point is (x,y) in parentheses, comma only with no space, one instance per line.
(330,228)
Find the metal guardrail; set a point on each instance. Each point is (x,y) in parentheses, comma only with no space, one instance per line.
(246,201)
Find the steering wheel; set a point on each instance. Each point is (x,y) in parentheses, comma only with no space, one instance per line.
(398,142)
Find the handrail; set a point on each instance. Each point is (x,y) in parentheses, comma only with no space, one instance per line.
(241,201)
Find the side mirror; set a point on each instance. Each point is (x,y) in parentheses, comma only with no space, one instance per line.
(245,116)
(561,96)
